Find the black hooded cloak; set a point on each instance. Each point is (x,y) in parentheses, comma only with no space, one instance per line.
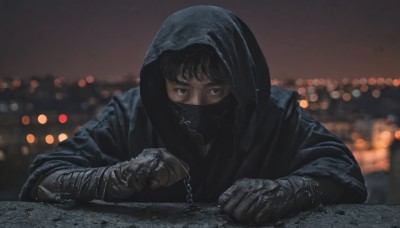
(270,137)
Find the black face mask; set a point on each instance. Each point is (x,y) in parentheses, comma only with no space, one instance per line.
(204,122)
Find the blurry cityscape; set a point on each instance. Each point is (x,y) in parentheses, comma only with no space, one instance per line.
(37,113)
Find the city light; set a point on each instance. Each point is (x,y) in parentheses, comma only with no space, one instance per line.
(396,82)
(26,120)
(82,83)
(90,79)
(376,93)
(356,93)
(314,97)
(62,137)
(49,139)
(397,134)
(335,94)
(30,138)
(324,98)
(303,104)
(62,118)
(42,119)
(302,91)
(346,97)
(372,81)
(14,106)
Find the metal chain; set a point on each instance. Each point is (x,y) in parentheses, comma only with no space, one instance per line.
(188,187)
(189,195)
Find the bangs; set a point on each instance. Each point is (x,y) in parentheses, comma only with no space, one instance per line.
(193,62)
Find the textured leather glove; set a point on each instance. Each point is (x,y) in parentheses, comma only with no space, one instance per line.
(260,200)
(154,167)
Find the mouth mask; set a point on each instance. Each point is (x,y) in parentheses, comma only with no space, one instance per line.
(204,122)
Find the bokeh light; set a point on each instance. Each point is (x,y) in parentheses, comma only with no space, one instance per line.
(62,137)
(30,138)
(62,118)
(49,139)
(26,120)
(42,119)
(303,104)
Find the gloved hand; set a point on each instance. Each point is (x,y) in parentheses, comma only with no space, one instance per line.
(260,200)
(154,167)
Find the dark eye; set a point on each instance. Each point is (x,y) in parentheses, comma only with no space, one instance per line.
(215,91)
(181,91)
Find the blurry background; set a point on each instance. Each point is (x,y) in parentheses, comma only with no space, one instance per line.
(61,61)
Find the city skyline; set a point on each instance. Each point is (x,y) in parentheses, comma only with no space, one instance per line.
(109,39)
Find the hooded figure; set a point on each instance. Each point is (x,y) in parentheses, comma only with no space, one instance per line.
(253,149)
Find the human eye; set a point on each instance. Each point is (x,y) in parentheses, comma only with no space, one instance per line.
(216,91)
(181,91)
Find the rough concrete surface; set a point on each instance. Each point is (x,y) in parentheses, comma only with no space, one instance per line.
(99,214)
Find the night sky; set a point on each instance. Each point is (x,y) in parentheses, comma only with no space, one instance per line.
(109,38)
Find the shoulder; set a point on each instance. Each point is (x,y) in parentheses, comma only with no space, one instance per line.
(128,102)
(128,99)
(282,99)
(122,108)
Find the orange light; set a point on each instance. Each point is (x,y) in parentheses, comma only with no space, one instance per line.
(346,97)
(42,119)
(82,83)
(376,93)
(304,104)
(62,118)
(30,138)
(396,82)
(397,134)
(372,81)
(49,139)
(62,137)
(25,120)
(302,91)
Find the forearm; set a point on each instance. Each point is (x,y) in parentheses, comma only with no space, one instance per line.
(154,167)
(72,184)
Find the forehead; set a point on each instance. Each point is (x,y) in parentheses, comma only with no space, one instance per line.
(200,78)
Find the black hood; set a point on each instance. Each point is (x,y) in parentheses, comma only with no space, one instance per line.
(237,48)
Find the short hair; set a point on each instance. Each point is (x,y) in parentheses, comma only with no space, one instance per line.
(191,61)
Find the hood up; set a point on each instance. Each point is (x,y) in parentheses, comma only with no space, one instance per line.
(238,50)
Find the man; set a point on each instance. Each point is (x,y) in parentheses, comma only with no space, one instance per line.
(204,111)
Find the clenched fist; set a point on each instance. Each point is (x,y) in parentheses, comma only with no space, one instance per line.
(154,167)
(260,200)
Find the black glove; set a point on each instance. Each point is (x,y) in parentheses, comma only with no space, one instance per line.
(154,167)
(260,200)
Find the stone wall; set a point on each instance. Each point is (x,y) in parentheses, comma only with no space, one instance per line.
(100,214)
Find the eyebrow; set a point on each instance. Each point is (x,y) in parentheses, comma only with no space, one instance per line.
(185,83)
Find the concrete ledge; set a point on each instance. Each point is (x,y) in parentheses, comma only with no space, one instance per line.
(100,214)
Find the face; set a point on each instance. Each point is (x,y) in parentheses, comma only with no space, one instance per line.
(196,92)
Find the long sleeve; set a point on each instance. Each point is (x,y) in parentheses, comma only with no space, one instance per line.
(121,131)
(323,156)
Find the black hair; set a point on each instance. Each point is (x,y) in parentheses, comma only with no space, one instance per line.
(190,62)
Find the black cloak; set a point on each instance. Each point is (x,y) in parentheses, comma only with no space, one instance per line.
(270,137)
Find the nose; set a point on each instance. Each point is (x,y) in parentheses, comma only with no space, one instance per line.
(197,99)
